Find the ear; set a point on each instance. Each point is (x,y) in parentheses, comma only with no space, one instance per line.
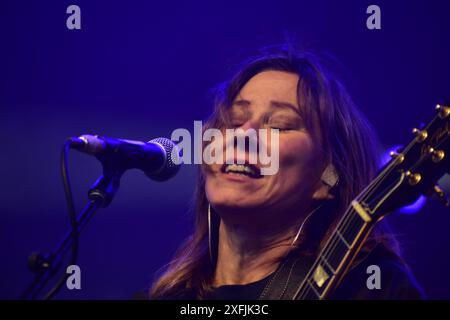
(323,192)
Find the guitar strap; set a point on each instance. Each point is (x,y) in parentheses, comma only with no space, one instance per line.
(293,269)
(287,278)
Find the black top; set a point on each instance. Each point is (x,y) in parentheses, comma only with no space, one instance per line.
(397,282)
(250,291)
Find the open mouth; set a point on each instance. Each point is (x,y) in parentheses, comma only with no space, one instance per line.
(248,170)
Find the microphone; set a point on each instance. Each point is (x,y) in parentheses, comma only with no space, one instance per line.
(155,158)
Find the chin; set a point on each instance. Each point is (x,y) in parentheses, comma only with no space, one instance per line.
(236,205)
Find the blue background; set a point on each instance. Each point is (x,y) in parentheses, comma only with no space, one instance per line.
(139,70)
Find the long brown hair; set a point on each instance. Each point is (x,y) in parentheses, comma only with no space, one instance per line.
(347,141)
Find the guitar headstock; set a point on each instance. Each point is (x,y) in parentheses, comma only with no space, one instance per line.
(414,170)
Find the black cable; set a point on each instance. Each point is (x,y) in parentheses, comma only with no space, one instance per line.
(72,217)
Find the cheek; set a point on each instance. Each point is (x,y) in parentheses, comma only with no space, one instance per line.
(298,158)
(208,188)
(214,189)
(211,189)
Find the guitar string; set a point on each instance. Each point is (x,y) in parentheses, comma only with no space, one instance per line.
(332,242)
(417,164)
(350,221)
(379,178)
(348,218)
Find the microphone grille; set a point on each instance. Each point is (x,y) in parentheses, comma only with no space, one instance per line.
(172,164)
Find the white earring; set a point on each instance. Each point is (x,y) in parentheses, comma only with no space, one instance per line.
(330,176)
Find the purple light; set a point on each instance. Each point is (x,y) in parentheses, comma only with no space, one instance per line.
(415,207)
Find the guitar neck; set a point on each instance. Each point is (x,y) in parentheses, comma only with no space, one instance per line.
(412,172)
(337,254)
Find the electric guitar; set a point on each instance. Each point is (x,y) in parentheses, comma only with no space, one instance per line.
(412,171)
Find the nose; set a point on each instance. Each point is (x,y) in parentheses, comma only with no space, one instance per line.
(249,132)
(250,124)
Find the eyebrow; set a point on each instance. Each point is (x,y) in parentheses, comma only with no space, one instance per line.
(285,105)
(273,104)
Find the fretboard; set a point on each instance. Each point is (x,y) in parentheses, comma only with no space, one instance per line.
(337,254)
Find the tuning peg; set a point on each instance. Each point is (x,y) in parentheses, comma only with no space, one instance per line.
(436,155)
(443,111)
(421,135)
(414,178)
(441,195)
(398,156)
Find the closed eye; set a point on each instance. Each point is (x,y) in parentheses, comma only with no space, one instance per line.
(285,124)
(282,126)
(281,129)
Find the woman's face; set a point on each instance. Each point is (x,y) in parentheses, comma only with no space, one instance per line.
(269,100)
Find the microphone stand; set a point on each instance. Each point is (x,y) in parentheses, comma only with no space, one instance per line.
(45,266)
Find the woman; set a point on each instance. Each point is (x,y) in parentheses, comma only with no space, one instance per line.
(247,226)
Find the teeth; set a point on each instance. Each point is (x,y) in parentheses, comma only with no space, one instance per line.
(239,168)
